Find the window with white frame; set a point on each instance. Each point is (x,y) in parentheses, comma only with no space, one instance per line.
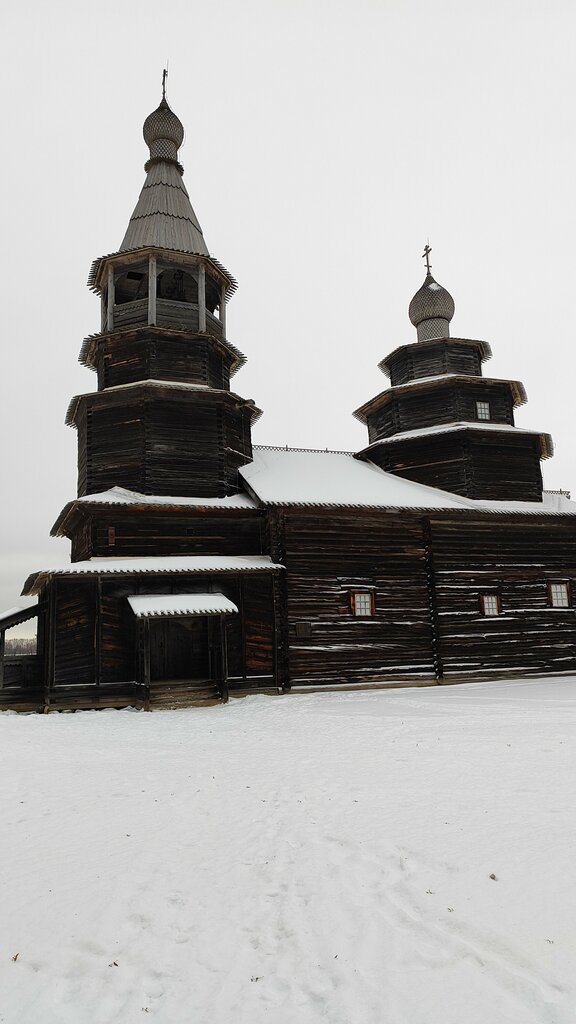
(490,604)
(483,410)
(362,603)
(558,594)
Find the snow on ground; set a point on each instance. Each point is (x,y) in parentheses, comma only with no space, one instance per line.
(294,860)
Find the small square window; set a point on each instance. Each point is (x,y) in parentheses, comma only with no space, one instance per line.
(362,603)
(302,629)
(490,604)
(483,410)
(558,594)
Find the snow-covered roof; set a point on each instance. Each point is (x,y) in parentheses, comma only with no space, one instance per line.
(289,477)
(280,476)
(123,496)
(127,498)
(160,565)
(559,500)
(14,616)
(163,605)
(546,444)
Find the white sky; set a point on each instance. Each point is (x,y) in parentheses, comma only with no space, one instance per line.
(325,141)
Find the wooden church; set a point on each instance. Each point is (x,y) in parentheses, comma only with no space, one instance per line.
(203,567)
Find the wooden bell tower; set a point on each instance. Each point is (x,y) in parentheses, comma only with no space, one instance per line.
(164,419)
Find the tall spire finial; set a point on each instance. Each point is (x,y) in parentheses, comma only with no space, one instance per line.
(164,77)
(426,256)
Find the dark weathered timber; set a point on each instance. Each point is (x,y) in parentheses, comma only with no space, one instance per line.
(141,531)
(153,355)
(447,402)
(431,358)
(328,554)
(162,441)
(471,463)
(513,558)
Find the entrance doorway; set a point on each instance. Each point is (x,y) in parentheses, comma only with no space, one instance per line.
(181,648)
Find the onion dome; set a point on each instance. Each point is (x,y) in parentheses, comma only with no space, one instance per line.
(431,310)
(163,134)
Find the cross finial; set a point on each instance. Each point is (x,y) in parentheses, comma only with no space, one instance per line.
(426,256)
(164,77)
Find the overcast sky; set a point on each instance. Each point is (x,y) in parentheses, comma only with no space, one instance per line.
(326,140)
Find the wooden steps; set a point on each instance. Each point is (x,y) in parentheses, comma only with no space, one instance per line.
(184,693)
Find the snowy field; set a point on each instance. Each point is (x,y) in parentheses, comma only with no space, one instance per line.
(393,857)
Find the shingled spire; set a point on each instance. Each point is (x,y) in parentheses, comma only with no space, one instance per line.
(163,216)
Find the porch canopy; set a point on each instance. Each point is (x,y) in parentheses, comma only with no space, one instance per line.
(147,606)
(14,616)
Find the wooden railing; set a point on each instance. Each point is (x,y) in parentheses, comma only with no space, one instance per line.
(181,315)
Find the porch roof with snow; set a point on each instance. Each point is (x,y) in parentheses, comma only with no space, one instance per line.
(14,616)
(148,606)
(158,565)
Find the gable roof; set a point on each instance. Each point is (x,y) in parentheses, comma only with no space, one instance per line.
(283,477)
(279,476)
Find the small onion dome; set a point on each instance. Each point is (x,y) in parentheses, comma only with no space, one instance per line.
(431,310)
(163,134)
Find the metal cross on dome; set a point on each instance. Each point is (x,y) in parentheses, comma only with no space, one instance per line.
(164,77)
(426,256)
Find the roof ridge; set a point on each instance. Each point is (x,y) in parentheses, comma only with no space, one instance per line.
(287,448)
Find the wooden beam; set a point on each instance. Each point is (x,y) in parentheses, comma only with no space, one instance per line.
(223,661)
(223,309)
(98,634)
(201,297)
(152,289)
(146,661)
(111,299)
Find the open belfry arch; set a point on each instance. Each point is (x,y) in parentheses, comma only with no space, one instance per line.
(203,567)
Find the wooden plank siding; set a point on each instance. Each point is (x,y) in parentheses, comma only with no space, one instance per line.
(125,360)
(144,531)
(328,554)
(512,558)
(476,465)
(428,359)
(447,402)
(170,443)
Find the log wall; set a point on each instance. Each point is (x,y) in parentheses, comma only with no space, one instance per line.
(429,359)
(327,556)
(172,443)
(126,359)
(113,530)
(513,559)
(485,466)
(449,402)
